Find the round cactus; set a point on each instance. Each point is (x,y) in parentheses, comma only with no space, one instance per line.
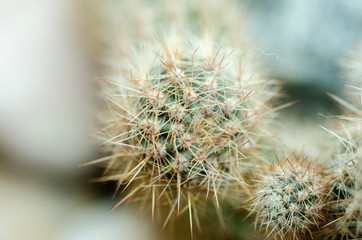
(288,200)
(345,198)
(182,128)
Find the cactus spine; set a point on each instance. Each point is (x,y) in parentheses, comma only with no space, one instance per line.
(184,128)
(288,199)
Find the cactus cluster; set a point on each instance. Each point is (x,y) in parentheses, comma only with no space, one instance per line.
(187,121)
(289,199)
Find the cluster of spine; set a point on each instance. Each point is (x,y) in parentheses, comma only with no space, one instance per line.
(188,125)
(184,130)
(292,201)
(288,199)
(332,205)
(345,197)
(343,210)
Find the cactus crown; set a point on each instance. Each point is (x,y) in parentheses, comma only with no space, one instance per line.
(288,200)
(189,119)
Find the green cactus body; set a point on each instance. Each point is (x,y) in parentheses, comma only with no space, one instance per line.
(189,117)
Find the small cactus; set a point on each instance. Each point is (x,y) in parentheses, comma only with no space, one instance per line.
(288,200)
(345,198)
(184,129)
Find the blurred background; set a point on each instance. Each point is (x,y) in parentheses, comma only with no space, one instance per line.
(51,53)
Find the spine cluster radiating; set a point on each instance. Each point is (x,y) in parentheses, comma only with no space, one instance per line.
(288,200)
(187,128)
(345,197)
(182,129)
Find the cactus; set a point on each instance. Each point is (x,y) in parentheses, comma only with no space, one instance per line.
(184,130)
(345,197)
(288,199)
(343,209)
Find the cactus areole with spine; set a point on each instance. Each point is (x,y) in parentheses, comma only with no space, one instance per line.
(181,128)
